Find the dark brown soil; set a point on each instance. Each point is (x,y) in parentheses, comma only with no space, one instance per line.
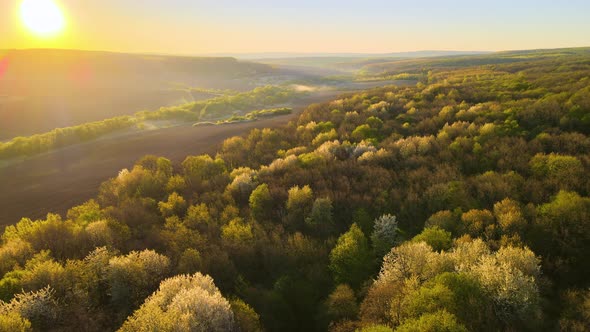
(56,181)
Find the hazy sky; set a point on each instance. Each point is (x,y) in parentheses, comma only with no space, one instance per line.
(241,26)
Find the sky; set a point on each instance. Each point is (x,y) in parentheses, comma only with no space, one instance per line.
(307,26)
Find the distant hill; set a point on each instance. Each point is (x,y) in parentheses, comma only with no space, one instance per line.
(286,55)
(41,89)
(398,66)
(344,62)
(55,64)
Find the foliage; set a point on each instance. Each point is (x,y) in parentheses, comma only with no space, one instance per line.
(260,202)
(183,303)
(174,206)
(299,204)
(135,276)
(376,328)
(226,105)
(341,304)
(62,137)
(14,322)
(321,216)
(435,237)
(440,321)
(247,320)
(385,234)
(33,309)
(500,289)
(481,160)
(350,260)
(576,314)
(564,223)
(250,116)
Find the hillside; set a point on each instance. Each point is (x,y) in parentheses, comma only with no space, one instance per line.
(525,58)
(459,203)
(343,61)
(45,89)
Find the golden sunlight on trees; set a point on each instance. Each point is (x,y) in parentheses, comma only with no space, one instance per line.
(460,203)
(185,302)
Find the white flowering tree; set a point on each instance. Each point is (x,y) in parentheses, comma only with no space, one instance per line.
(183,303)
(425,280)
(385,234)
(25,311)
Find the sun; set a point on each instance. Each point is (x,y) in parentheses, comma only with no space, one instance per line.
(42,17)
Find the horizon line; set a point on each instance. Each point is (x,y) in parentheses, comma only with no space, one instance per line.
(303,54)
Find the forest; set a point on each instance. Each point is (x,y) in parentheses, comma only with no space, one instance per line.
(460,203)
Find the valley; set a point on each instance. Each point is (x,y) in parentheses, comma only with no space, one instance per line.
(54,181)
(306,198)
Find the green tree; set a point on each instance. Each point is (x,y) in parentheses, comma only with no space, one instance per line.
(350,260)
(198,217)
(174,206)
(190,261)
(237,234)
(435,237)
(247,320)
(203,173)
(176,183)
(575,316)
(299,204)
(429,299)
(341,304)
(54,234)
(261,203)
(362,218)
(478,223)
(376,328)
(12,253)
(133,277)
(363,132)
(320,219)
(440,321)
(560,171)
(446,220)
(86,213)
(14,322)
(565,241)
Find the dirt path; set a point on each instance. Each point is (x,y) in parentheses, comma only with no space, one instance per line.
(56,181)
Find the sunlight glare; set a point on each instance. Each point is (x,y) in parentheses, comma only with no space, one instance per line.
(43,17)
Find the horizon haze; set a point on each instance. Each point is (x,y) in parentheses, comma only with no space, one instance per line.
(182,27)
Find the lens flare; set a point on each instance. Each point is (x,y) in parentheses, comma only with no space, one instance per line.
(42,17)
(3,65)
